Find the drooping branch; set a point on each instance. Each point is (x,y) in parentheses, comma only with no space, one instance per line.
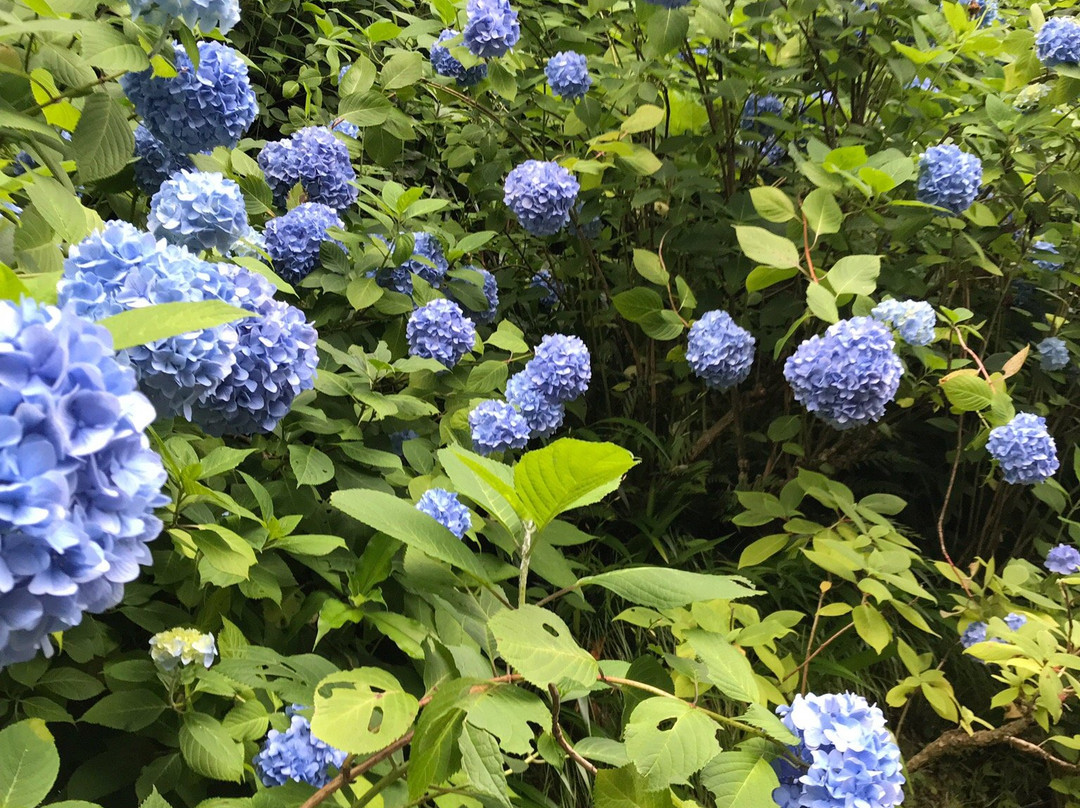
(956,740)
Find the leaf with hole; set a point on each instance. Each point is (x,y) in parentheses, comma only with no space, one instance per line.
(362,710)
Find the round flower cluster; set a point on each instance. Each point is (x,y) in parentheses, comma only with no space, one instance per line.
(1042,263)
(443,506)
(446,65)
(293,240)
(317,160)
(497,426)
(182,646)
(847,376)
(154,163)
(541,196)
(1015,621)
(974,633)
(492,27)
(985,11)
(926,85)
(543,414)
(719,350)
(440,331)
(852,758)
(80,482)
(552,288)
(1024,449)
(1058,42)
(296,755)
(490,288)
(1053,353)
(913,320)
(199,210)
(346,128)
(397,440)
(560,367)
(203,15)
(568,75)
(1064,559)
(427,261)
(1027,100)
(196,109)
(949,178)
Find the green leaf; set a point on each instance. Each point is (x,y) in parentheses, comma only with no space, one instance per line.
(665,31)
(510,713)
(70,683)
(650,267)
(486,482)
(666,588)
(140,326)
(209,749)
(871,626)
(763,549)
(645,117)
(368,108)
(727,668)
(310,466)
(670,755)
(362,710)
(821,303)
(642,161)
(483,763)
(401,70)
(102,141)
(764,277)
(625,788)
(740,780)
(29,764)
(128,710)
(967,391)
(434,755)
(772,204)
(854,275)
(637,304)
(224,549)
(822,213)
(766,248)
(538,644)
(60,208)
(662,325)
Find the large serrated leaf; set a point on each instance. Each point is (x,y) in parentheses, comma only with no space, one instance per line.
(665,588)
(362,710)
(740,780)
(29,764)
(209,749)
(163,320)
(669,755)
(102,142)
(538,644)
(726,667)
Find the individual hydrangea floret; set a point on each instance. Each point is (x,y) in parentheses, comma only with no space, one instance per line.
(949,178)
(852,759)
(346,128)
(427,261)
(913,320)
(541,196)
(719,350)
(568,75)
(974,633)
(1053,354)
(543,414)
(296,755)
(1058,42)
(1015,621)
(182,646)
(293,240)
(1024,449)
(492,27)
(440,331)
(1042,263)
(496,426)
(848,375)
(1064,559)
(153,162)
(552,288)
(443,506)
(490,288)
(199,210)
(201,15)
(1027,100)
(560,367)
(316,160)
(196,110)
(79,480)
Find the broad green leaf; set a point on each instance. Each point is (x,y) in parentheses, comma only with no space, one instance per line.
(662,325)
(764,277)
(669,755)
(666,588)
(872,626)
(310,466)
(822,303)
(822,213)
(763,549)
(511,714)
(649,267)
(154,800)
(434,754)
(70,683)
(482,762)
(967,391)
(486,482)
(209,749)
(128,710)
(362,710)
(772,204)
(665,31)
(644,118)
(641,160)
(538,644)
(102,141)
(140,326)
(768,249)
(740,780)
(625,788)
(637,304)
(29,764)
(401,70)
(224,549)
(726,666)
(854,275)
(61,209)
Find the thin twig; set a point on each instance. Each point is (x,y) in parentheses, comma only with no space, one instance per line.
(957,740)
(1035,749)
(945,505)
(556,731)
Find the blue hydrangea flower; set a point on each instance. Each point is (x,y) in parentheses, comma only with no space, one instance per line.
(974,633)
(1063,559)
(296,755)
(341,73)
(293,240)
(755,107)
(985,11)
(346,128)
(201,15)
(1058,42)
(427,261)
(719,350)
(490,289)
(443,506)
(153,162)
(1053,353)
(316,160)
(568,75)
(560,367)
(196,110)
(913,319)
(198,210)
(397,440)
(847,376)
(669,3)
(541,196)
(251,244)
(445,64)
(1024,449)
(551,287)
(1042,263)
(1015,621)
(78,480)
(926,85)
(440,331)
(182,646)
(492,27)
(543,414)
(853,760)
(949,178)
(497,426)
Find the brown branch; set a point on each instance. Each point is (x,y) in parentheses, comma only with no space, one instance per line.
(956,740)
(556,731)
(1035,749)
(348,775)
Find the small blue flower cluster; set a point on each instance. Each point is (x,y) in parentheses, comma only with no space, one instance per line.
(196,109)
(296,755)
(541,196)
(316,160)
(1058,42)
(444,507)
(949,178)
(926,85)
(78,480)
(568,75)
(542,414)
(976,632)
(440,331)
(560,367)
(1042,263)
(397,440)
(669,3)
(182,646)
(719,350)
(446,65)
(1015,621)
(497,426)
(913,320)
(293,240)
(985,11)
(490,289)
(853,760)
(768,145)
(346,128)
(154,163)
(199,210)
(202,15)
(1063,559)
(427,261)
(492,27)
(847,376)
(1053,353)
(1024,449)
(552,288)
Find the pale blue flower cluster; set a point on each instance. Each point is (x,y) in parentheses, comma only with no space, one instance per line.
(568,75)
(719,350)
(293,240)
(1042,263)
(199,210)
(1015,621)
(669,3)
(296,755)
(755,107)
(497,426)
(199,109)
(552,288)
(560,367)
(153,162)
(541,196)
(445,64)
(1064,559)
(926,85)
(346,128)
(1027,100)
(1053,353)
(543,414)
(201,15)
(913,320)
(974,633)
(949,178)
(853,760)
(848,375)
(316,160)
(490,289)
(440,331)
(444,507)
(182,646)
(1024,449)
(492,27)
(1058,42)
(985,11)
(427,261)
(78,480)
